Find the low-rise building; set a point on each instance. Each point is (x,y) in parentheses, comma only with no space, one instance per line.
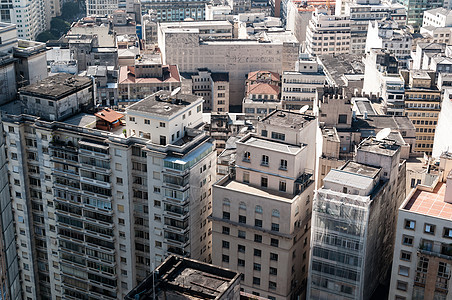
(147,76)
(262,93)
(57,97)
(298,87)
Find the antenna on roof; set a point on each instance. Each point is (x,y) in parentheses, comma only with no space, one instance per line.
(176,90)
(383,134)
(304,109)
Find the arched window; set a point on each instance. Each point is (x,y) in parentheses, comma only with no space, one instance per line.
(258,209)
(275,213)
(242,205)
(297,210)
(226,202)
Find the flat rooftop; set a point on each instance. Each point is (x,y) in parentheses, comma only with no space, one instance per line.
(383,121)
(162,103)
(287,119)
(245,188)
(388,148)
(430,203)
(57,87)
(337,66)
(181,278)
(360,169)
(270,145)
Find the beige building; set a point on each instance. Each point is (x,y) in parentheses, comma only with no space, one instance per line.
(212,86)
(261,217)
(422,254)
(328,34)
(274,51)
(262,93)
(422,106)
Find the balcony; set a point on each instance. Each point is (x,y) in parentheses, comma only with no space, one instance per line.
(436,249)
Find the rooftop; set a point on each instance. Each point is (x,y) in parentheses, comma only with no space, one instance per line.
(360,169)
(109,115)
(162,103)
(364,106)
(245,188)
(383,121)
(287,119)
(57,87)
(263,89)
(267,144)
(430,203)
(385,147)
(263,75)
(182,278)
(336,66)
(127,75)
(439,11)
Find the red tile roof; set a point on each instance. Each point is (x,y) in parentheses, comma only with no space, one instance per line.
(273,75)
(430,203)
(263,89)
(127,75)
(109,115)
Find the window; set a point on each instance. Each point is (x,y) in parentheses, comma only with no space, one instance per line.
(226,215)
(402,285)
(258,209)
(246,177)
(278,136)
(404,271)
(246,156)
(275,227)
(257,223)
(404,255)
(274,242)
(132,119)
(282,186)
(226,244)
(240,262)
(241,248)
(264,182)
(264,161)
(147,121)
(242,219)
(256,267)
(51,103)
(256,280)
(407,240)
(409,224)
(273,271)
(275,213)
(162,124)
(264,133)
(447,232)
(226,202)
(342,119)
(428,228)
(257,252)
(225,258)
(241,234)
(242,205)
(272,285)
(226,230)
(283,164)
(274,256)
(258,238)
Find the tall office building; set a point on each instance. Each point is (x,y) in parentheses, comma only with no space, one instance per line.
(416,8)
(353,217)
(176,10)
(261,217)
(97,204)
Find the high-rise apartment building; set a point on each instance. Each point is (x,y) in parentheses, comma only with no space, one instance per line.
(31,17)
(261,217)
(95,210)
(351,249)
(422,254)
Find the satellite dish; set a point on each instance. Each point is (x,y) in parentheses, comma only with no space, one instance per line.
(176,90)
(383,134)
(304,109)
